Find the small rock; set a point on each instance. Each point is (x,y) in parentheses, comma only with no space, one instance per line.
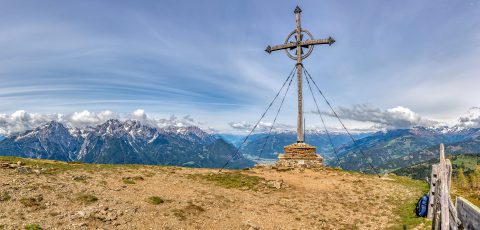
(79,178)
(251,226)
(277,184)
(81,214)
(24,170)
(20,163)
(111,216)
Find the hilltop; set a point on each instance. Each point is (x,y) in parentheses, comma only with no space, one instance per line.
(61,195)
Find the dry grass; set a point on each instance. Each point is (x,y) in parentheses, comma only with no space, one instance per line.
(155,200)
(236,180)
(34,202)
(5,196)
(201,198)
(86,198)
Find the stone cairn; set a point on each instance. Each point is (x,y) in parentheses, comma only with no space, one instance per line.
(299,155)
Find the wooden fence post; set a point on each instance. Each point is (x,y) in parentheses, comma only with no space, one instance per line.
(444,214)
(444,191)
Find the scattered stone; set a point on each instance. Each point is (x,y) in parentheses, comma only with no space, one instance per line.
(20,163)
(278,184)
(82,214)
(133,178)
(79,178)
(251,226)
(106,215)
(24,170)
(101,213)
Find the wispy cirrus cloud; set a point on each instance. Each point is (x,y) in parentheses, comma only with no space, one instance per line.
(207,59)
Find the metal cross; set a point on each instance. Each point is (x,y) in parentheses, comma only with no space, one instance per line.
(298,44)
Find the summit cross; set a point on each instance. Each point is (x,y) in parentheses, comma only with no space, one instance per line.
(295,42)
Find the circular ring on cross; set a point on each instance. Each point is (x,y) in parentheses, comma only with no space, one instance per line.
(292,38)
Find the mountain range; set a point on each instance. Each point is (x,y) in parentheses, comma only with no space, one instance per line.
(373,152)
(128,142)
(395,149)
(132,142)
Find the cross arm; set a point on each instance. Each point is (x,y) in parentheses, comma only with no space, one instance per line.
(328,41)
(269,49)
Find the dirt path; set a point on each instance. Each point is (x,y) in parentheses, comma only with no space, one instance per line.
(117,198)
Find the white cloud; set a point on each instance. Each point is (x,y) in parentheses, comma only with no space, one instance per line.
(143,117)
(139,114)
(393,118)
(87,118)
(22,120)
(471,119)
(262,126)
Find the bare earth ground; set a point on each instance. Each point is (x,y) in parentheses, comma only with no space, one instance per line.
(116,197)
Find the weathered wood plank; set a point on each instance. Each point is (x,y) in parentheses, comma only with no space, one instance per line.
(317,41)
(454,221)
(303,43)
(468,213)
(431,195)
(283,46)
(444,190)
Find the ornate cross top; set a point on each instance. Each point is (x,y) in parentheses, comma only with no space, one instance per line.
(298,44)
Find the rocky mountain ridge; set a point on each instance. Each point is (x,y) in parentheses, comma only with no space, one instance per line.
(388,150)
(122,142)
(133,142)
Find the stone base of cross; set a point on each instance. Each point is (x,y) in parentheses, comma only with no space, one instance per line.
(299,155)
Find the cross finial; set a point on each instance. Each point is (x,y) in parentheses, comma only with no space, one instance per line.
(297,10)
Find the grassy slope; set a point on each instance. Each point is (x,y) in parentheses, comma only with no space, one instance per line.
(54,166)
(404,210)
(466,161)
(237,180)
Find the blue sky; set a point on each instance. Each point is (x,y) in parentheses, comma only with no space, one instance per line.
(410,60)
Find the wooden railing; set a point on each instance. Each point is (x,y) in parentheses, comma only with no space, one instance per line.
(444,214)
